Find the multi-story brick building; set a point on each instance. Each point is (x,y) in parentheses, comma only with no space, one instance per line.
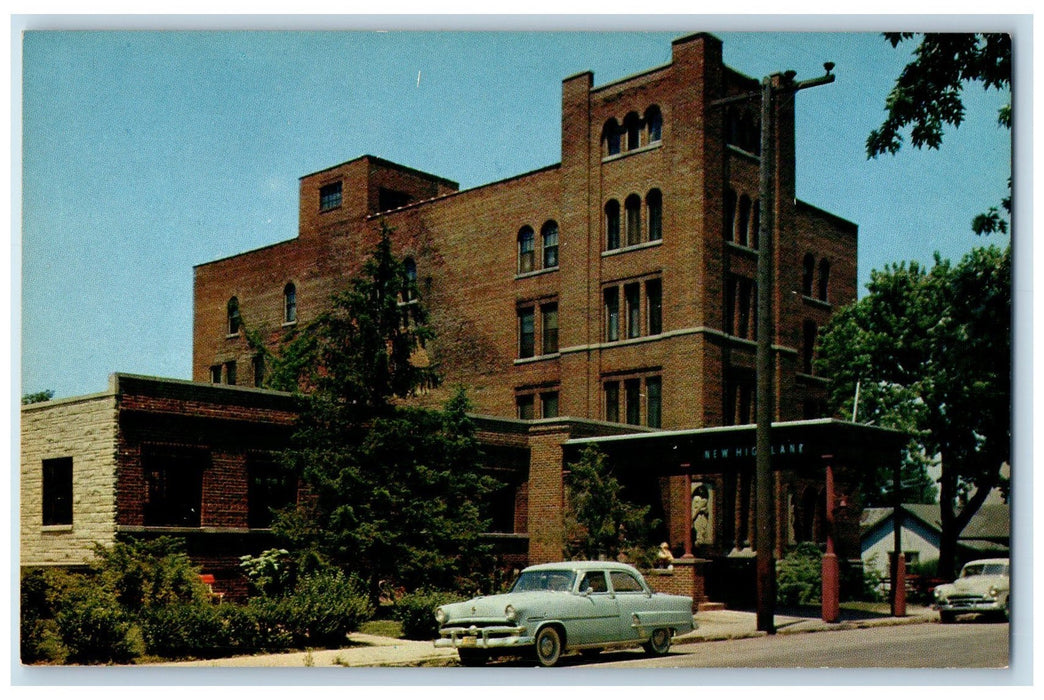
(609,295)
(616,285)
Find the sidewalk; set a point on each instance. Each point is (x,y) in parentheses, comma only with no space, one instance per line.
(371,651)
(717,625)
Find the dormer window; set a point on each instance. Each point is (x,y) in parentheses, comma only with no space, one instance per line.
(330,196)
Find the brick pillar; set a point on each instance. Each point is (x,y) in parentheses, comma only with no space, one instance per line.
(546,493)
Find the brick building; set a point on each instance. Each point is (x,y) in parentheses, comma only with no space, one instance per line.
(616,285)
(609,294)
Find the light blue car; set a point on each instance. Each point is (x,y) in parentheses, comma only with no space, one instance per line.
(556,608)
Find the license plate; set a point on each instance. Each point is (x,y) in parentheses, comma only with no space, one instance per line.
(468,641)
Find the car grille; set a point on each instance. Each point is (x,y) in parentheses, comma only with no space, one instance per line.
(467,624)
(958,600)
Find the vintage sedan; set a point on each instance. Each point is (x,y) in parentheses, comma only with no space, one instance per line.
(982,587)
(555,608)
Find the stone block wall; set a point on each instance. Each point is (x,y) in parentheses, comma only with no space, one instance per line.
(84,429)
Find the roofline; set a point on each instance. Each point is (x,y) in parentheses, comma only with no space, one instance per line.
(247,252)
(751,427)
(117,377)
(845,223)
(387,163)
(449,195)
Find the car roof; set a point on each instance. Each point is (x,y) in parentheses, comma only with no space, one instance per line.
(581,566)
(987,561)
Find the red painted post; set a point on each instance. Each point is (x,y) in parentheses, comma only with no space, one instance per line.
(830,571)
(899,584)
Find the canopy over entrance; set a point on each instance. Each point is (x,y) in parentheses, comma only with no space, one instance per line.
(700,484)
(795,445)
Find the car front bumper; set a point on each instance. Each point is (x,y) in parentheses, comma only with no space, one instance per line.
(492,637)
(970,605)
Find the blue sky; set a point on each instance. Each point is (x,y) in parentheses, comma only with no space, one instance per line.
(145,153)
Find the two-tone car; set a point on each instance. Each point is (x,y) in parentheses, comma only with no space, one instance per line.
(557,608)
(982,587)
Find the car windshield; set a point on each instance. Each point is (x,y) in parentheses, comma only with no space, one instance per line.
(548,580)
(995,569)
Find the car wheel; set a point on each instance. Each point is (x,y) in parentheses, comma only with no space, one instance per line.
(659,643)
(472,657)
(548,646)
(947,617)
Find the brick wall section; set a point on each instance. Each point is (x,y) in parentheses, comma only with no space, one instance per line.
(687,577)
(85,429)
(545,496)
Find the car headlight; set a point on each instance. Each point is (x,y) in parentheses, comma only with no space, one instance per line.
(440,616)
(510,613)
(993,592)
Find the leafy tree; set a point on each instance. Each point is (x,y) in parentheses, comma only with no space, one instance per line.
(599,521)
(37,397)
(931,350)
(394,491)
(927,96)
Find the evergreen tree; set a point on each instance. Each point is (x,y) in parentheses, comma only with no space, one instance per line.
(599,521)
(394,492)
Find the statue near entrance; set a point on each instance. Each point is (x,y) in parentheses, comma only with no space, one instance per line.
(702,522)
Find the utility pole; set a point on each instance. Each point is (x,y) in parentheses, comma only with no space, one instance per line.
(765,565)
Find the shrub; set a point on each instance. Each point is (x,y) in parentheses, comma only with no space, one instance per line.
(798,576)
(323,609)
(96,629)
(416,612)
(149,573)
(184,630)
(271,573)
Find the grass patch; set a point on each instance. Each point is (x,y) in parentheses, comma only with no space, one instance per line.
(382,628)
(880,608)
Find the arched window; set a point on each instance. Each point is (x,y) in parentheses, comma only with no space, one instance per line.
(808,347)
(611,137)
(653,124)
(290,303)
(633,127)
(808,269)
(729,224)
(612,225)
(549,243)
(234,319)
(525,250)
(824,279)
(633,207)
(410,268)
(755,223)
(654,205)
(743,227)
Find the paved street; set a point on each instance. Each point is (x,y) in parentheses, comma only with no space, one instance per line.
(968,645)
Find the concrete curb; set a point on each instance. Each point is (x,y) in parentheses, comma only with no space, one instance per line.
(803,626)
